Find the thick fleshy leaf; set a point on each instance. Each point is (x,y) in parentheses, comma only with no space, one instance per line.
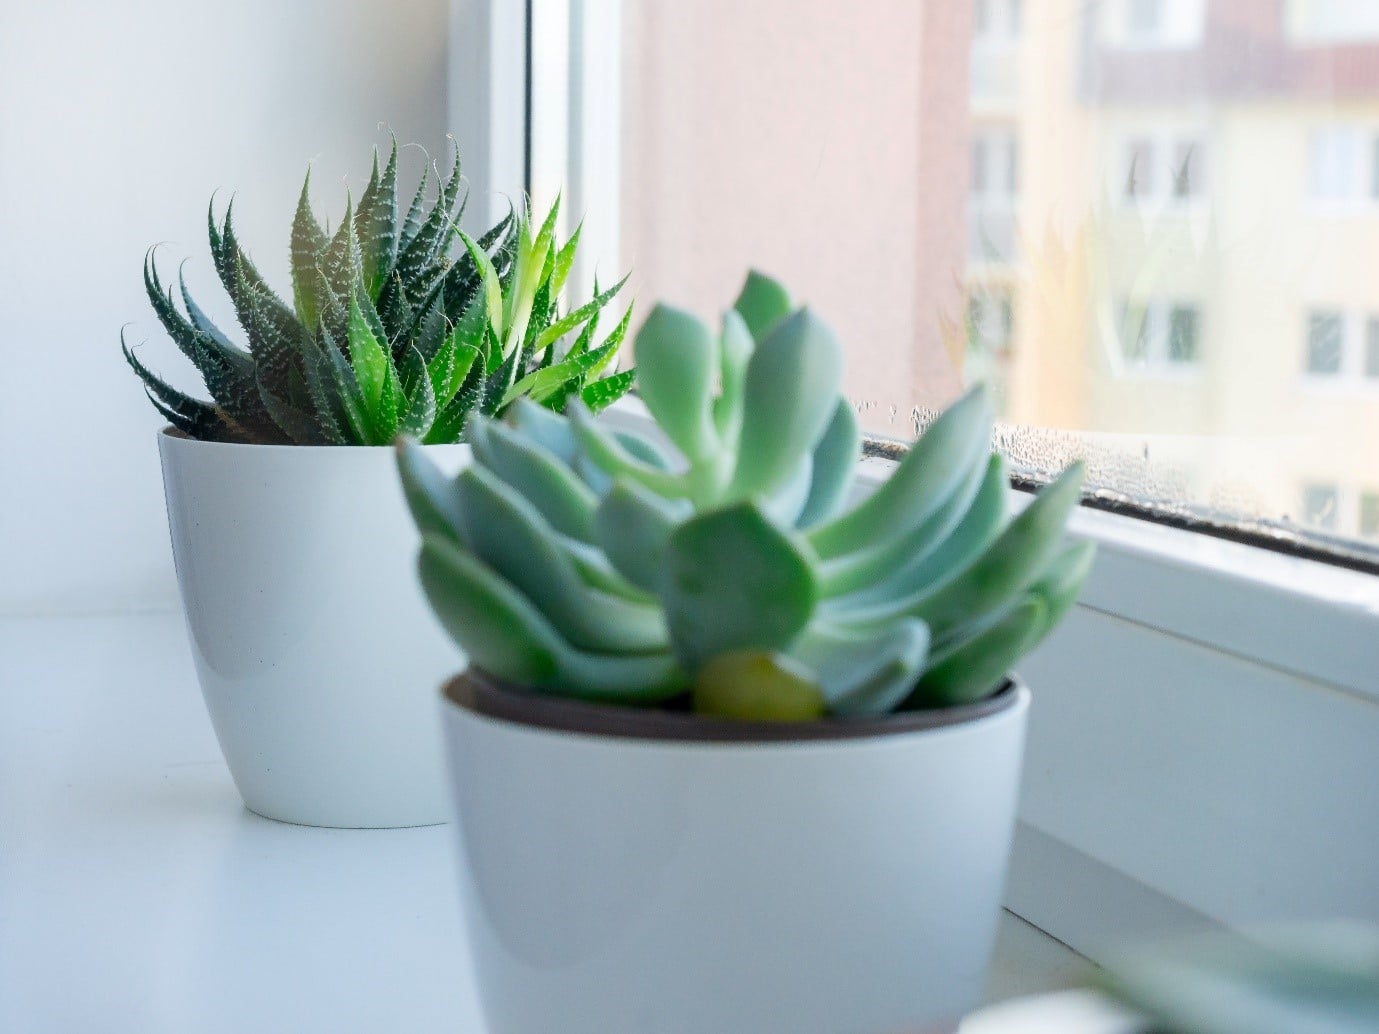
(985,518)
(762,303)
(192,416)
(974,668)
(431,496)
(602,448)
(835,462)
(504,634)
(509,534)
(928,473)
(735,346)
(549,485)
(1004,571)
(856,571)
(308,249)
(864,673)
(570,321)
(492,285)
(347,390)
(604,392)
(369,358)
(678,362)
(1061,582)
(789,397)
(417,405)
(376,224)
(731,580)
(633,527)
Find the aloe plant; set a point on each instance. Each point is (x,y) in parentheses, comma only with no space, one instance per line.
(399,324)
(729,561)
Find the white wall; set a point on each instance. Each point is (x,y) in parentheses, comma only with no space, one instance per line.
(118,119)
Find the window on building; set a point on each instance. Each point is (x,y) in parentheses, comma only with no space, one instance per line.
(1334,164)
(1182,334)
(1321,505)
(1187,169)
(994,181)
(1139,178)
(1325,343)
(1166,167)
(1372,348)
(1151,24)
(1333,21)
(990,321)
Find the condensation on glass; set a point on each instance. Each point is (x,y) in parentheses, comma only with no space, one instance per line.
(1152,226)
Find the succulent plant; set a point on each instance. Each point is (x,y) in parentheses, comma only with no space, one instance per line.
(725,561)
(395,326)
(1320,978)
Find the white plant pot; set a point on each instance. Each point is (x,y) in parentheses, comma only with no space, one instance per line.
(636,871)
(316,651)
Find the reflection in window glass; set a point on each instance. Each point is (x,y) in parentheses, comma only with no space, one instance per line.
(1182,334)
(1320,505)
(1198,158)
(1139,179)
(1369,515)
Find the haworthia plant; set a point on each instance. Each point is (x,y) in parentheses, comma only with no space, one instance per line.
(399,324)
(732,565)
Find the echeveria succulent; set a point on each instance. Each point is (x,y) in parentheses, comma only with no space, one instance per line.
(394,328)
(729,559)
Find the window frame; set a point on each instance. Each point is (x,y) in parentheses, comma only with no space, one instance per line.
(1242,620)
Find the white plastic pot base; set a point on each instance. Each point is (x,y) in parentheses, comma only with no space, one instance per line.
(612,883)
(318,656)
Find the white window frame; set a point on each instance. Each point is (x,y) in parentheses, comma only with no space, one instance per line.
(1206,721)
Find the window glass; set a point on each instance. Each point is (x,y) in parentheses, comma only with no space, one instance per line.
(1188,166)
(1325,340)
(1174,197)
(1369,515)
(1139,177)
(1372,348)
(1333,157)
(1182,334)
(1320,505)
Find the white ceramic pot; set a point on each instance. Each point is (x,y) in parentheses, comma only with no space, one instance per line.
(632,871)
(317,653)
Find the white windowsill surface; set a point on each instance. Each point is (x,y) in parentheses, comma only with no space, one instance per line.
(138,895)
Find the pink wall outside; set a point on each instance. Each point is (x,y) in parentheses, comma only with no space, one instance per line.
(794,135)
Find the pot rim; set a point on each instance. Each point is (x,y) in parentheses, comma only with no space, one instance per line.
(488,696)
(167,431)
